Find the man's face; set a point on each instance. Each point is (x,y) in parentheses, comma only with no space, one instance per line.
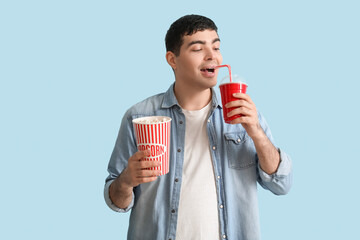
(199,54)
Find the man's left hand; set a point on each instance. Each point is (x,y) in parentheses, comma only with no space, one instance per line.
(249,119)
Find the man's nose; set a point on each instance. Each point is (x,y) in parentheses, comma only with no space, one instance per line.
(210,54)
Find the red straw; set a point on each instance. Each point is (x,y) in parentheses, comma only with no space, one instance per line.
(228,66)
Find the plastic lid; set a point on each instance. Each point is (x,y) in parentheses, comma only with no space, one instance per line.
(235,79)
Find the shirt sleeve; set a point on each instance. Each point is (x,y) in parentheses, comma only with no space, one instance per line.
(279,182)
(110,204)
(124,148)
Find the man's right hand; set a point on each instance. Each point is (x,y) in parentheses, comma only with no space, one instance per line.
(135,173)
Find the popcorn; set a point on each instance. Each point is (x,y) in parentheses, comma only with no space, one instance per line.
(151,120)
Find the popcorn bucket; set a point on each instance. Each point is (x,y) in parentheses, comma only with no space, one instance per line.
(153,133)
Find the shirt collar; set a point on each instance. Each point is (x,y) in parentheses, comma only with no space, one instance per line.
(170,98)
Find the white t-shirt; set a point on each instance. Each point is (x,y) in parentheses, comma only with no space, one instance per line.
(198,208)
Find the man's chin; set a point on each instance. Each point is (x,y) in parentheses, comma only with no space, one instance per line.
(212,82)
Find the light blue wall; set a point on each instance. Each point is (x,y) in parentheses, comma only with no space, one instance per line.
(70,69)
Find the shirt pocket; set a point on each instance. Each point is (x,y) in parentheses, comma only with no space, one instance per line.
(240,150)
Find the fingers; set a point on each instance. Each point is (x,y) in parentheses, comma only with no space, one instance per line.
(137,161)
(138,169)
(144,173)
(242,120)
(243,106)
(134,178)
(243,96)
(148,164)
(140,155)
(148,179)
(241,111)
(244,100)
(238,103)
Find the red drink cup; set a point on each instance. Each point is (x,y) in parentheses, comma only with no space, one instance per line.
(153,133)
(227,89)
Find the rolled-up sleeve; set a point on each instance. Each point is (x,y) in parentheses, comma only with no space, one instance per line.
(110,204)
(125,147)
(279,182)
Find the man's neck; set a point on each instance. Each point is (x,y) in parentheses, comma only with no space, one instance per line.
(191,98)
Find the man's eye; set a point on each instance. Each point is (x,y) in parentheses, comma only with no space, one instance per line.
(196,50)
(217,49)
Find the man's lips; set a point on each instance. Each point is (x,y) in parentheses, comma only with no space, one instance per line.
(208,69)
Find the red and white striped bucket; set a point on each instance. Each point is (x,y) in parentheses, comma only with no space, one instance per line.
(153,133)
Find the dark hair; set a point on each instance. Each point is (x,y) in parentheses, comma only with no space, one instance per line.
(186,25)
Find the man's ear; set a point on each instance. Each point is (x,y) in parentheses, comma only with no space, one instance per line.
(171,59)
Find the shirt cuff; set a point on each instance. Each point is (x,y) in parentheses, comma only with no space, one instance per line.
(283,170)
(110,204)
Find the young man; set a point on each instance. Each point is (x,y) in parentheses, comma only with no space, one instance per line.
(210,191)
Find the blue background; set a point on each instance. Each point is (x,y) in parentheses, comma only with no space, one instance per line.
(70,69)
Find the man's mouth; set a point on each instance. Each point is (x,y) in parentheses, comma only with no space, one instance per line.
(208,70)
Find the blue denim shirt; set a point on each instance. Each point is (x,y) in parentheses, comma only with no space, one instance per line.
(236,168)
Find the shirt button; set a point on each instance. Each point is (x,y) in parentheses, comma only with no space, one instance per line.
(213,147)
(181,122)
(208,120)
(179,150)
(221,206)
(224,236)
(218,177)
(176,180)
(239,140)
(173,211)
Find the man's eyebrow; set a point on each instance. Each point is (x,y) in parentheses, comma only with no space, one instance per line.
(202,42)
(216,40)
(195,42)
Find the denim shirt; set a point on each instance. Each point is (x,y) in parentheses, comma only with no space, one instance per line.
(154,207)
